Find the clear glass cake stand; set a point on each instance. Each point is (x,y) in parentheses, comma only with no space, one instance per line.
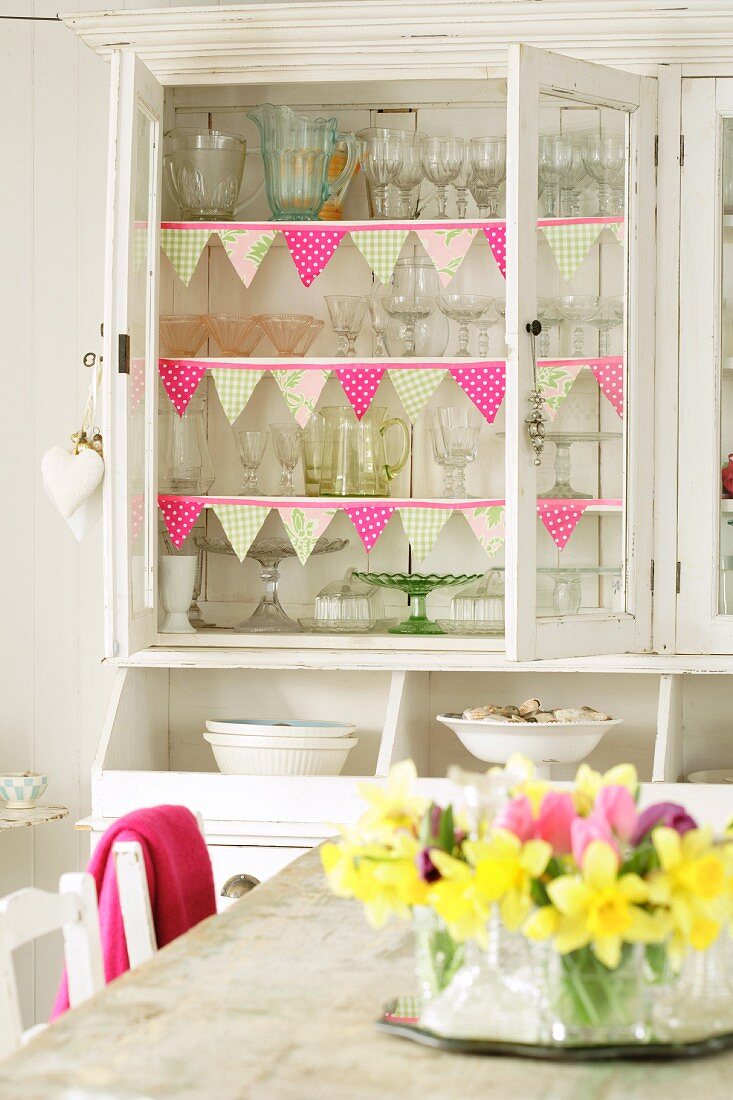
(562,489)
(269,617)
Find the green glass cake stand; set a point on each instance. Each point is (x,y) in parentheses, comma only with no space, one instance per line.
(417,586)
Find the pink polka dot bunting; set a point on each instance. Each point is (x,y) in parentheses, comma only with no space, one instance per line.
(180,514)
(360,385)
(496,236)
(609,375)
(369,521)
(311,249)
(137,382)
(485,386)
(180,381)
(137,514)
(560,518)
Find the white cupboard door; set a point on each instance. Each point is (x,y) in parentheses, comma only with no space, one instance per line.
(579,525)
(131,354)
(705,530)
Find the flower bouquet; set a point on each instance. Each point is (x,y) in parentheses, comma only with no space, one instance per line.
(616,904)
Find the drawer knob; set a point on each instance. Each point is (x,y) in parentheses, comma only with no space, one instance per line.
(239,885)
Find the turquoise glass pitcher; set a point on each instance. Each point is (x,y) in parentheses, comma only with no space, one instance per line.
(295,152)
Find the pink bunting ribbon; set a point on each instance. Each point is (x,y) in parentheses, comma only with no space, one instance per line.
(137,381)
(311,249)
(496,236)
(180,381)
(609,374)
(560,518)
(369,521)
(180,514)
(137,514)
(360,385)
(485,385)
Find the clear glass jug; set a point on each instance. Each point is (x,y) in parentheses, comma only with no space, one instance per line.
(203,172)
(354,460)
(296,152)
(188,467)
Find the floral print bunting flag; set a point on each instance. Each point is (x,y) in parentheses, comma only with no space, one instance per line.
(301,390)
(304,527)
(447,248)
(246,248)
(487,524)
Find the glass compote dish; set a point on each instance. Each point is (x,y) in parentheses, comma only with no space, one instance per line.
(183,335)
(347,316)
(417,586)
(466,309)
(488,167)
(562,489)
(235,334)
(381,157)
(609,316)
(442,161)
(579,309)
(291,333)
(604,156)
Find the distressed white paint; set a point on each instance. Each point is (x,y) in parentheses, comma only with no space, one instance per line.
(137,915)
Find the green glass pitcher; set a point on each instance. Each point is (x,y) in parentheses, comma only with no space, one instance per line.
(296,152)
(354,462)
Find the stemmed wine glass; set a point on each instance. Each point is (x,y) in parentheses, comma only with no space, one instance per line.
(572,178)
(491,317)
(250,448)
(409,308)
(288,442)
(579,309)
(347,316)
(604,156)
(381,157)
(488,167)
(610,314)
(442,159)
(549,316)
(555,161)
(466,309)
(376,304)
(461,183)
(457,431)
(410,172)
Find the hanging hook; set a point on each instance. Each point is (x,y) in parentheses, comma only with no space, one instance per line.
(535,421)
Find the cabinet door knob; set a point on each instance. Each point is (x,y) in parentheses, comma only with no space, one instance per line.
(239,885)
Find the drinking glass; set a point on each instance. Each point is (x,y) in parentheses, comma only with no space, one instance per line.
(466,309)
(409,174)
(610,314)
(410,309)
(440,456)
(461,182)
(555,161)
(459,431)
(572,179)
(481,195)
(604,156)
(579,309)
(442,160)
(378,316)
(549,317)
(250,448)
(347,315)
(381,157)
(288,442)
(488,165)
(313,440)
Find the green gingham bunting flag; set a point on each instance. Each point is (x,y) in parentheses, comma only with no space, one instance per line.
(139,245)
(415,388)
(487,524)
(304,527)
(619,230)
(183,247)
(380,250)
(235,387)
(241,522)
(422,527)
(571,243)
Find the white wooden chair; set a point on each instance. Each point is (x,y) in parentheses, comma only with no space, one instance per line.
(132,887)
(30,913)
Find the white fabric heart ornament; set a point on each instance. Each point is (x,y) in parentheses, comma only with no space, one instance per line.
(71,479)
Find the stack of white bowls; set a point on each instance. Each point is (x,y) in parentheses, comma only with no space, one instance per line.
(269,746)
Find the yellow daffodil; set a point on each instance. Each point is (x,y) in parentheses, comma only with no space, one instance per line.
(457,899)
(385,879)
(395,806)
(693,885)
(597,907)
(588,783)
(505,869)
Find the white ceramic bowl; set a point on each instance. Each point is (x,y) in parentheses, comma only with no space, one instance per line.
(279,755)
(279,727)
(715,775)
(20,791)
(545,743)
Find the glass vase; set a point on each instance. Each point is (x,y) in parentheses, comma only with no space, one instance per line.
(698,1001)
(585,1003)
(437,955)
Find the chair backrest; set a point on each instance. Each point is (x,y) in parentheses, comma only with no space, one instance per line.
(30,913)
(134,894)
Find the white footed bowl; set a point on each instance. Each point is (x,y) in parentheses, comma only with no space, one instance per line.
(280,756)
(279,727)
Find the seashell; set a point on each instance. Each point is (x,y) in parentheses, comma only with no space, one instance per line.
(530,707)
(544,716)
(475,714)
(507,712)
(580,714)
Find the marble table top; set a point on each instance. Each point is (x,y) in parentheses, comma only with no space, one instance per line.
(275,1000)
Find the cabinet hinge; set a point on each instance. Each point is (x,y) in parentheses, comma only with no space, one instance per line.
(679,576)
(651,576)
(656,150)
(123,353)
(682,150)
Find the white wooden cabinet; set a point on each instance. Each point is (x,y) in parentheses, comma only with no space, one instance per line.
(650,538)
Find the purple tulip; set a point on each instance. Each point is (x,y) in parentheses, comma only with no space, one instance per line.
(426,868)
(669,814)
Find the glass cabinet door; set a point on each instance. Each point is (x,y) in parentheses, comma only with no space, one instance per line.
(579,509)
(705,520)
(130,356)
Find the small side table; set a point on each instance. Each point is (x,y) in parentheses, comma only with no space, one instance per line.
(36,815)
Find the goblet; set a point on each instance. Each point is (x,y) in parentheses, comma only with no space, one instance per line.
(550,317)
(461,182)
(610,314)
(250,448)
(604,156)
(555,160)
(288,442)
(487,321)
(440,456)
(410,309)
(481,195)
(466,309)
(381,157)
(347,316)
(458,429)
(409,174)
(579,309)
(442,160)
(378,316)
(488,164)
(572,179)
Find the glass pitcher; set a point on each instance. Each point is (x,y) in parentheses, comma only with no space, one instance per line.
(188,467)
(354,454)
(203,171)
(296,152)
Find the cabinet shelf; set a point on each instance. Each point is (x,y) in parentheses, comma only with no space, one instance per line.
(595,506)
(377,226)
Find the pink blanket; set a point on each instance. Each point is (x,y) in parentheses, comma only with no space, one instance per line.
(179,879)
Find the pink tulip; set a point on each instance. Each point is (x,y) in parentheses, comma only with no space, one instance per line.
(516,817)
(556,816)
(617,808)
(584,830)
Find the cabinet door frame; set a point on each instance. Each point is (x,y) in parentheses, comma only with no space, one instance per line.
(132,86)
(531,72)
